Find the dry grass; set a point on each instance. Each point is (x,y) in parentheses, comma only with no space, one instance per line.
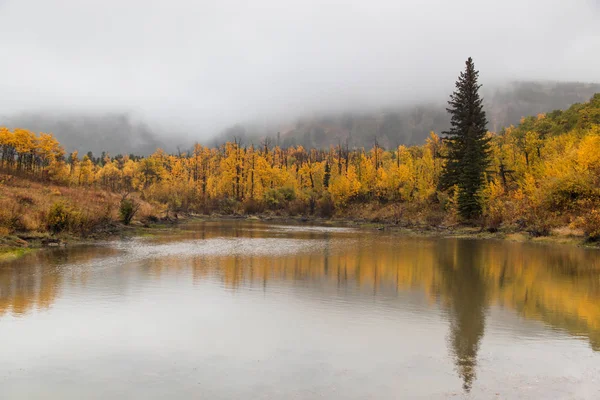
(405,214)
(25,206)
(568,231)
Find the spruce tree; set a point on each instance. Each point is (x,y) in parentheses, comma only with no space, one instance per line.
(468,146)
(327,175)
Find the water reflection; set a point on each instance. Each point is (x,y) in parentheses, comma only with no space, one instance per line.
(559,286)
(35,282)
(465,291)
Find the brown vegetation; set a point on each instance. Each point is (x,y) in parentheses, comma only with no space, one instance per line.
(29,208)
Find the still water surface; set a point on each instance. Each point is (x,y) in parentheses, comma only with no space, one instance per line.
(248,310)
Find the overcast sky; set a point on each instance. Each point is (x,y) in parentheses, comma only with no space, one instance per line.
(206,64)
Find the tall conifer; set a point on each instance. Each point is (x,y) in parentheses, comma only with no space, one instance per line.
(468,144)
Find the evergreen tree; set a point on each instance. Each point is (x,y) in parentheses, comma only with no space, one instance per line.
(468,144)
(327,175)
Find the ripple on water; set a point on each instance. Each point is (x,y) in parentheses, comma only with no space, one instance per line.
(226,247)
(294,228)
(140,249)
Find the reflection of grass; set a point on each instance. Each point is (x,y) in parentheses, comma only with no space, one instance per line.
(149,231)
(12,253)
(147,235)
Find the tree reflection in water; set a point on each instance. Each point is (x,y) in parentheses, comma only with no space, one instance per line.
(557,285)
(465,291)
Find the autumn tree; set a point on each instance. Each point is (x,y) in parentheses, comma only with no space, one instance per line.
(467,142)
(7,148)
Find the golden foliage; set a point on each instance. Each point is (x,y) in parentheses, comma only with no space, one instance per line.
(542,174)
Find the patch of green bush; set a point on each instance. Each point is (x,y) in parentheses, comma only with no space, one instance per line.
(227,206)
(60,218)
(565,193)
(127,210)
(276,199)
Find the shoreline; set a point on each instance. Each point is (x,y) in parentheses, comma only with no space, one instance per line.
(15,246)
(459,231)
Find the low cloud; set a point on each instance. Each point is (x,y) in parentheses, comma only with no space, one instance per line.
(200,66)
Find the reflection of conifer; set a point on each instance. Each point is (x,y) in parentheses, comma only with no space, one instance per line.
(467,294)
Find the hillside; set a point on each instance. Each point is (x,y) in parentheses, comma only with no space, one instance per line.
(119,133)
(579,117)
(505,106)
(111,133)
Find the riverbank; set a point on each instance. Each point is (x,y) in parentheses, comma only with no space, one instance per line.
(17,245)
(558,236)
(14,246)
(37,214)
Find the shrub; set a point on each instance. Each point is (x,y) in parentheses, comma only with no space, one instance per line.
(297,207)
(127,210)
(494,215)
(151,219)
(252,206)
(9,220)
(59,217)
(565,193)
(287,193)
(540,222)
(30,222)
(591,225)
(274,199)
(227,206)
(25,200)
(278,198)
(325,206)
(434,217)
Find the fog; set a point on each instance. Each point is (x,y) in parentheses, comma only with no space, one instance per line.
(199,66)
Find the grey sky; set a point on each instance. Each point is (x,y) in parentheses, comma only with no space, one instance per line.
(206,64)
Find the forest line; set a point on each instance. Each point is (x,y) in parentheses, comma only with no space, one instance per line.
(540,175)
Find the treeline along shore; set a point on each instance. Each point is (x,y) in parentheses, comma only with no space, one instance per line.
(540,178)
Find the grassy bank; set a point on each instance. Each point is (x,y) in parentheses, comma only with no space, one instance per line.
(33,214)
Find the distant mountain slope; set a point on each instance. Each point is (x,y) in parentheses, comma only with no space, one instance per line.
(118,133)
(411,125)
(508,105)
(580,117)
(112,133)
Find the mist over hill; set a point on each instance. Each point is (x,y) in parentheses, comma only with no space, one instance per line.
(120,133)
(505,106)
(112,133)
(171,73)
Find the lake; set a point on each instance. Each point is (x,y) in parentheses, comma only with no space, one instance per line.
(251,310)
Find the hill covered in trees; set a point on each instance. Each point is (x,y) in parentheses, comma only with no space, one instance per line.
(411,125)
